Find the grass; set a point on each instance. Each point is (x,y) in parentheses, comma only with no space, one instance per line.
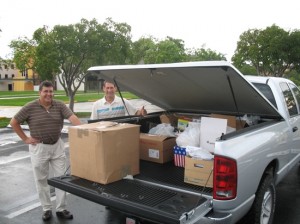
(4,121)
(20,99)
(9,98)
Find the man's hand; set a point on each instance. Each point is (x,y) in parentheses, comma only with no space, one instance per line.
(142,112)
(32,141)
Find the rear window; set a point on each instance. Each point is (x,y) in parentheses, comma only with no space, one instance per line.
(266,91)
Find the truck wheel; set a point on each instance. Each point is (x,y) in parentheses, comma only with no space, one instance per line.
(263,208)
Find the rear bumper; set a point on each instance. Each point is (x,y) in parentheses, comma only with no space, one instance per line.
(216,218)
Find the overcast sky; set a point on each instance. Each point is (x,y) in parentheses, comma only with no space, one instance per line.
(214,24)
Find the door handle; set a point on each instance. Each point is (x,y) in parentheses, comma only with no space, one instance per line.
(295,129)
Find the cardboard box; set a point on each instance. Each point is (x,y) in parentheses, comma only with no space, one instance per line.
(104,152)
(198,172)
(156,148)
(231,121)
(169,119)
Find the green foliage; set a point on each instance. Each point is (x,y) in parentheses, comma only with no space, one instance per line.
(294,76)
(169,50)
(24,53)
(69,50)
(204,55)
(150,51)
(247,69)
(140,49)
(271,51)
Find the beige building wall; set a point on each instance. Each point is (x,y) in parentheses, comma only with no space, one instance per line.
(7,73)
(24,81)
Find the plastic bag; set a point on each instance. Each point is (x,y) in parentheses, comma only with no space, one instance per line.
(199,153)
(163,129)
(190,136)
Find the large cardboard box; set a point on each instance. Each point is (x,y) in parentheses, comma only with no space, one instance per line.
(232,121)
(104,152)
(156,148)
(198,172)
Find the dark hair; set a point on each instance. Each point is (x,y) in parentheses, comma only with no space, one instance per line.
(45,83)
(106,81)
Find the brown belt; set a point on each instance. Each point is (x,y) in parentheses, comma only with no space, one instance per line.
(49,143)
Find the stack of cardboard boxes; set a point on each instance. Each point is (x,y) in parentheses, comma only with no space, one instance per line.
(105,152)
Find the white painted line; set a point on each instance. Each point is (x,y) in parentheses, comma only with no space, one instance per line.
(23,210)
(27,209)
(24,157)
(14,160)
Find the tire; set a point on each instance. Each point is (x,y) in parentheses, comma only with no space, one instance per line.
(263,208)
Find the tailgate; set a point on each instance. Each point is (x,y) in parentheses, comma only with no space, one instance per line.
(151,198)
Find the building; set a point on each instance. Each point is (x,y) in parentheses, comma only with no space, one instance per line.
(12,79)
(7,73)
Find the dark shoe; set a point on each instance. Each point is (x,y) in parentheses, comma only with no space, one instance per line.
(47,215)
(65,214)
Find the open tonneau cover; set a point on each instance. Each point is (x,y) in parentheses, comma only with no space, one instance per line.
(158,194)
(201,87)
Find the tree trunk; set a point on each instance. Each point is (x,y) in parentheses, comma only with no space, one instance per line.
(71,101)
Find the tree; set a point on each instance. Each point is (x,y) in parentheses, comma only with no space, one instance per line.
(269,51)
(140,49)
(203,54)
(67,51)
(24,52)
(169,50)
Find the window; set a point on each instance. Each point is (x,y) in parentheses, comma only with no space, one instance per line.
(296,92)
(6,76)
(266,91)
(289,99)
(12,75)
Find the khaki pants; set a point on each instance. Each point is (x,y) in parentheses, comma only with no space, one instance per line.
(42,156)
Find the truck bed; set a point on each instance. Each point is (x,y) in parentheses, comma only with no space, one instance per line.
(158,193)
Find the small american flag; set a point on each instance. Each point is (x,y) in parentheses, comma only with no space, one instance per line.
(179,156)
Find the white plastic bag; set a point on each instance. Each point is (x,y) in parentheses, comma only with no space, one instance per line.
(163,129)
(199,153)
(190,136)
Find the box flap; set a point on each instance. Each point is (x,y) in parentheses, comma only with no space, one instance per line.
(103,126)
(231,120)
(158,138)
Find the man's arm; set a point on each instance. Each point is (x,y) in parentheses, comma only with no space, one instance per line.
(17,128)
(74,120)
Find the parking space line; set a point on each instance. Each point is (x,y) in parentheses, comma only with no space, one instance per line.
(26,209)
(24,157)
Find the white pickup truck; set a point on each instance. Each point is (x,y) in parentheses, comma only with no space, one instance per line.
(248,163)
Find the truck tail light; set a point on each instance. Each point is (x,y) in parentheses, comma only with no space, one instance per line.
(225,178)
